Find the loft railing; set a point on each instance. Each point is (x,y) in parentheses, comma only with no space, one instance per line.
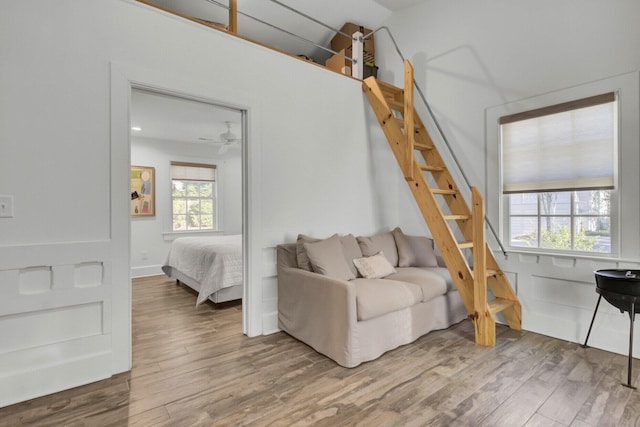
(357,63)
(357,68)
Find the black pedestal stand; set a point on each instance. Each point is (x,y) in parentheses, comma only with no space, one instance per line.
(619,300)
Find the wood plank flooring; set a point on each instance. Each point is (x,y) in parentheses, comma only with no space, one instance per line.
(192,366)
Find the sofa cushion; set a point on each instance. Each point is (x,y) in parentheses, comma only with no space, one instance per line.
(350,248)
(327,258)
(380,242)
(430,282)
(444,273)
(301,253)
(414,251)
(351,251)
(374,267)
(375,297)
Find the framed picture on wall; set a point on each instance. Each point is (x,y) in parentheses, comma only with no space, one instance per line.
(143,196)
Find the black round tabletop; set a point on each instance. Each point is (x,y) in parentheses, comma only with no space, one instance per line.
(621,281)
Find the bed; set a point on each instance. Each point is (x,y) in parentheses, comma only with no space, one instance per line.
(211,265)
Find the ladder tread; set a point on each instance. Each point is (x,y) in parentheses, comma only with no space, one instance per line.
(430,168)
(422,147)
(395,104)
(400,122)
(456,217)
(498,305)
(491,273)
(443,191)
(389,88)
(465,245)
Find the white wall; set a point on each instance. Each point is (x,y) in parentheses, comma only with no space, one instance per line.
(151,237)
(66,71)
(471,57)
(317,160)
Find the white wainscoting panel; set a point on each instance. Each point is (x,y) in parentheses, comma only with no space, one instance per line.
(55,318)
(558,298)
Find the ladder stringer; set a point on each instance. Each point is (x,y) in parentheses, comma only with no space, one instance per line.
(408,123)
(449,248)
(428,205)
(498,282)
(471,285)
(390,127)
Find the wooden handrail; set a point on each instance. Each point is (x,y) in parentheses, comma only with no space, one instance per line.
(479,252)
(482,317)
(409,122)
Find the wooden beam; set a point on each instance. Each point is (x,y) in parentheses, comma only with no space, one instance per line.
(233,16)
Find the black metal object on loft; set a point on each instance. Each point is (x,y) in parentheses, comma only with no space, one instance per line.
(621,288)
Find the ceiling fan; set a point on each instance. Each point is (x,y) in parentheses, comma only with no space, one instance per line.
(227,139)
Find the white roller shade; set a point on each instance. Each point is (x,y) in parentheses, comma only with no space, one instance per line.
(193,172)
(572,149)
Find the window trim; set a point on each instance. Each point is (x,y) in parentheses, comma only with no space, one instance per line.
(215,197)
(625,209)
(572,215)
(590,101)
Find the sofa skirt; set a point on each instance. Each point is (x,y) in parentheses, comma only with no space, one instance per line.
(374,337)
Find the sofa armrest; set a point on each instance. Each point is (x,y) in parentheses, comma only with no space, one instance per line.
(320,311)
(440,261)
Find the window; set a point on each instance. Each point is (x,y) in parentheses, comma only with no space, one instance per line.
(558,175)
(570,220)
(193,197)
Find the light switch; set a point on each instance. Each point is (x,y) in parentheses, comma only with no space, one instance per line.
(6,206)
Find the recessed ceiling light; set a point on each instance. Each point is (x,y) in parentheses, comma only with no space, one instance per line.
(136,128)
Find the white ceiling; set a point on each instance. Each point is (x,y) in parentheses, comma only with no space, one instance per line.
(168,118)
(165,117)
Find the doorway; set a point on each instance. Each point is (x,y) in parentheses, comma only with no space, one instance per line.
(186,185)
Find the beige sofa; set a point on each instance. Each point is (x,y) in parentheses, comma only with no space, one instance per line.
(395,291)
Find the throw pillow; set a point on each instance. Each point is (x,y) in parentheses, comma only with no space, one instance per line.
(414,251)
(374,267)
(350,248)
(327,258)
(380,242)
(351,251)
(301,254)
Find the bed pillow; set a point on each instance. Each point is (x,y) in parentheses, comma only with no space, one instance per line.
(374,267)
(414,251)
(327,258)
(380,242)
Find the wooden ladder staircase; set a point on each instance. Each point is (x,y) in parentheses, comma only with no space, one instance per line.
(431,182)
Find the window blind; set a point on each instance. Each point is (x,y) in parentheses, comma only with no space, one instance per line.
(565,147)
(193,171)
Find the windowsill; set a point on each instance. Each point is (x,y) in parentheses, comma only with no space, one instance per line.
(172,235)
(599,257)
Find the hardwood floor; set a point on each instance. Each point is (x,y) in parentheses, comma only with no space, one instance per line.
(192,366)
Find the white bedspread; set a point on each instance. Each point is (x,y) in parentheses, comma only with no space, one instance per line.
(215,262)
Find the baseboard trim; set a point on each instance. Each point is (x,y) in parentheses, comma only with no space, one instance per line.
(146,271)
(26,385)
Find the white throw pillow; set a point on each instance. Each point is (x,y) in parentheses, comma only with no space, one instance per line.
(374,267)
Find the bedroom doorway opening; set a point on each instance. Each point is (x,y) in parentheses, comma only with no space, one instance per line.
(187,157)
